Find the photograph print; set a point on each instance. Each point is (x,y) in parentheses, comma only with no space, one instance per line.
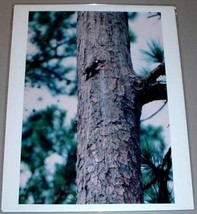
(96,125)
(114,145)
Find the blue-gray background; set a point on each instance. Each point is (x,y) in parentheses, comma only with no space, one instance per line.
(187,30)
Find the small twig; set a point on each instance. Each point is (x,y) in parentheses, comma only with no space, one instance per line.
(155,112)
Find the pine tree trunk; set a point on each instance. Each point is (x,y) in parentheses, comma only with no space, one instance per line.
(108,165)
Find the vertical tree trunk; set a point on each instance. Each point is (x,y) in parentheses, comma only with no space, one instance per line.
(108,165)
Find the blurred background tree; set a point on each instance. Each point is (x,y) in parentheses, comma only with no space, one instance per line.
(156,166)
(48,154)
(48,158)
(51,45)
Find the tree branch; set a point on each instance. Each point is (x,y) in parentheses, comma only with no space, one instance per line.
(153,89)
(155,73)
(167,162)
(156,91)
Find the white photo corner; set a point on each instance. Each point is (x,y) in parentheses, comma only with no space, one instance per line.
(96,115)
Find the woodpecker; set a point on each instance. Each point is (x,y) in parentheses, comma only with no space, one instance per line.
(93,68)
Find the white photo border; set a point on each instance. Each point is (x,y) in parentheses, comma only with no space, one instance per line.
(178,126)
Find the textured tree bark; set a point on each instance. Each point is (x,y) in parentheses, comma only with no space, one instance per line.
(109,109)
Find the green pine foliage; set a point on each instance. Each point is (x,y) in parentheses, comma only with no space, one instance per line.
(48,156)
(156,166)
(154,53)
(132,16)
(52,40)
